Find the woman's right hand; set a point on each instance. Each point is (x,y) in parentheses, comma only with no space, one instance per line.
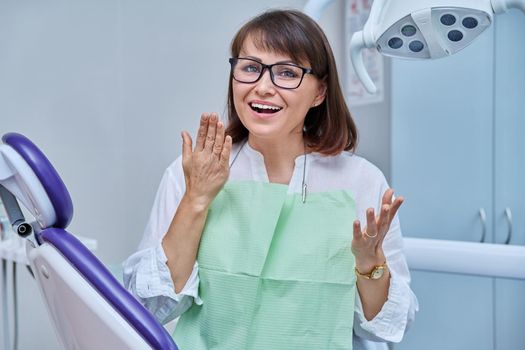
(207,167)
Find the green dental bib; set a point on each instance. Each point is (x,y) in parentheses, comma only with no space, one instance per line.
(275,273)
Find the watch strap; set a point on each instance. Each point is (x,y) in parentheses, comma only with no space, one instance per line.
(369,274)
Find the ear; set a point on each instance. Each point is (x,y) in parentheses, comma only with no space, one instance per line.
(321,93)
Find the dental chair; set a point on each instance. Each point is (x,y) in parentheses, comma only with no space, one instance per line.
(89,308)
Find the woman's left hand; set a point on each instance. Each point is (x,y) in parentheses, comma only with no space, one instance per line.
(367,244)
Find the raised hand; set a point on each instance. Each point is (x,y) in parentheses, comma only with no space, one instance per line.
(367,244)
(206,168)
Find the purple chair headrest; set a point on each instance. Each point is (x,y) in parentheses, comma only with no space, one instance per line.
(51,181)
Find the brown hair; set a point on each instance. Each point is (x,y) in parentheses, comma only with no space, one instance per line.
(328,128)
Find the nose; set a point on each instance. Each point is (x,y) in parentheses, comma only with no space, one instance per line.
(265,85)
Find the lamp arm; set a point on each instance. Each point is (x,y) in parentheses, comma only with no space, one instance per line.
(315,8)
(500,6)
(357,44)
(373,21)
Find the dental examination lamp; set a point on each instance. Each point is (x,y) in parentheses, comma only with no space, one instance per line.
(89,308)
(418,29)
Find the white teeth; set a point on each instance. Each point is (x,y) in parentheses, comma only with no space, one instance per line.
(261,106)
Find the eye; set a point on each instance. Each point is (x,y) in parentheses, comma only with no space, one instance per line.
(287,72)
(251,68)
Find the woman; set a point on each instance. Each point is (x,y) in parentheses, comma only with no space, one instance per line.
(255,237)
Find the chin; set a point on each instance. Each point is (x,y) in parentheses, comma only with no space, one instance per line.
(263,132)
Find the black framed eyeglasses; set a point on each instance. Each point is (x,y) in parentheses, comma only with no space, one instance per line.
(283,75)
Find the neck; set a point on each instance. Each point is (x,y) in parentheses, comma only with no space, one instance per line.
(279,155)
(279,150)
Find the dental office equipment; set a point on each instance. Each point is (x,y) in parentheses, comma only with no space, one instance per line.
(418,29)
(88,306)
(466,258)
(14,214)
(9,242)
(13,251)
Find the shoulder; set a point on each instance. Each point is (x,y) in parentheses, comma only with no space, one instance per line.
(356,162)
(350,172)
(350,167)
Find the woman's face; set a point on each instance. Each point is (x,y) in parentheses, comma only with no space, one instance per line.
(287,109)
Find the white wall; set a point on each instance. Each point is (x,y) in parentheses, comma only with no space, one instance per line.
(104,88)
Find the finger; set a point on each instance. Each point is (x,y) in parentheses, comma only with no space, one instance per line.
(383,220)
(395,207)
(391,214)
(219,139)
(212,129)
(186,154)
(357,230)
(384,225)
(371,226)
(201,133)
(186,146)
(387,196)
(226,151)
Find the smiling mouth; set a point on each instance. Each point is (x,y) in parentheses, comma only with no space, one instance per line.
(266,109)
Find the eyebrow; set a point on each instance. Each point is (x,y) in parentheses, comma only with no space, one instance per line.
(279,62)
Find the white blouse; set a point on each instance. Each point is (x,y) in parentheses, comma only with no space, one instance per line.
(146,274)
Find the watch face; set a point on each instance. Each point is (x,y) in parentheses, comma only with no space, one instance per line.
(377,273)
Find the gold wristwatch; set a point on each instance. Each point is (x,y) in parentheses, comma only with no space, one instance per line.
(376,273)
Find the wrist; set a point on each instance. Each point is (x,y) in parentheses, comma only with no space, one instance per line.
(367,264)
(374,273)
(196,204)
(365,268)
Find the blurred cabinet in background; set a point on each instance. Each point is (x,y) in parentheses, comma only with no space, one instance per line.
(509,172)
(458,158)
